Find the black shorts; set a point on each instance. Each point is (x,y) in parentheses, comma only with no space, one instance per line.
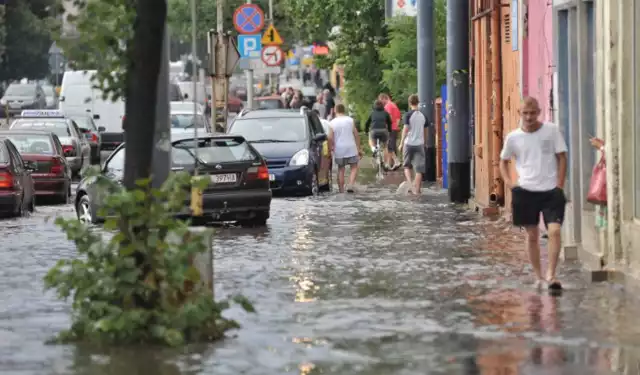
(526,206)
(393,141)
(382,135)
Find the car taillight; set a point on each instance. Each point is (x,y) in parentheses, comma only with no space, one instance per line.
(258,173)
(6,180)
(69,150)
(56,167)
(94,138)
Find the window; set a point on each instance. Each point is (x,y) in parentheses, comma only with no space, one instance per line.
(185,121)
(271,129)
(85,122)
(21,90)
(213,151)
(316,124)
(32,144)
(115,166)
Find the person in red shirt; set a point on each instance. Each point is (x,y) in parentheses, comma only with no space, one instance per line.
(393,111)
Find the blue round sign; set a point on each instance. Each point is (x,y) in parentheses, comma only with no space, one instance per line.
(248,19)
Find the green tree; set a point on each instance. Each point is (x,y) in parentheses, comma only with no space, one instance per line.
(27,39)
(400,55)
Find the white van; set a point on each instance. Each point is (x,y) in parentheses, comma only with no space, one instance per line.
(77,96)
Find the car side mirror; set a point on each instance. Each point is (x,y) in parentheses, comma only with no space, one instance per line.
(186,96)
(61,99)
(320,137)
(96,117)
(101,129)
(30,165)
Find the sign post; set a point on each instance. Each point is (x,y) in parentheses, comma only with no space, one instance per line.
(248,20)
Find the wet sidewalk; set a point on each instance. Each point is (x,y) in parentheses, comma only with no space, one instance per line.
(371,283)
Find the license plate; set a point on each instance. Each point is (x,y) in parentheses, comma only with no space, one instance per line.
(223,178)
(272,177)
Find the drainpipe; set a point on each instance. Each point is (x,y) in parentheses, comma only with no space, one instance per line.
(497,191)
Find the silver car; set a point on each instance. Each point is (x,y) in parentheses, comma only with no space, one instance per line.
(75,146)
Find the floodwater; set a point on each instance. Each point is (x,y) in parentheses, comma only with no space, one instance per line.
(371,283)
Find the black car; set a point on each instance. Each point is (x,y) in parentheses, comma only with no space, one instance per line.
(17,191)
(293,144)
(239,179)
(21,96)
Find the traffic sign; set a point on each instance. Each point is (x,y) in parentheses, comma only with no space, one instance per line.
(248,19)
(272,55)
(271,37)
(249,46)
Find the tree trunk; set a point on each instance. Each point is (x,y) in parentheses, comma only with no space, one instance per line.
(145,56)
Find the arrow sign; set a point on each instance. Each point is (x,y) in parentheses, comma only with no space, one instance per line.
(271,37)
(272,55)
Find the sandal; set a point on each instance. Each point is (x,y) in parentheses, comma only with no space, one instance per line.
(555,285)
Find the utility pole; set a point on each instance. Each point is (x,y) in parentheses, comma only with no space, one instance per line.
(427,81)
(194,75)
(161,138)
(271,21)
(249,74)
(217,58)
(388,9)
(458,101)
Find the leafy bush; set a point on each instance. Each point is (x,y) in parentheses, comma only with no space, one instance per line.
(139,286)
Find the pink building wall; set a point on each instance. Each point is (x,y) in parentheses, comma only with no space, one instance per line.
(537,54)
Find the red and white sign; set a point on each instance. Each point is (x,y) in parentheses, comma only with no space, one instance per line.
(272,55)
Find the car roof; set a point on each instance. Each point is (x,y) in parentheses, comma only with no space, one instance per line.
(271,113)
(26,131)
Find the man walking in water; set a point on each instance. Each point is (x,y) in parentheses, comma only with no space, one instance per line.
(540,153)
(345,143)
(412,144)
(393,111)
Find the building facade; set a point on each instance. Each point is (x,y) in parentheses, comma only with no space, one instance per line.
(598,64)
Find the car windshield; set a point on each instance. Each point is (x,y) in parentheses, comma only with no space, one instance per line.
(32,143)
(287,129)
(58,127)
(21,90)
(84,122)
(270,104)
(214,151)
(187,89)
(185,121)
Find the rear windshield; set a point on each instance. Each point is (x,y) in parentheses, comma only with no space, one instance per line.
(58,127)
(185,121)
(32,143)
(270,104)
(276,129)
(21,90)
(214,151)
(4,157)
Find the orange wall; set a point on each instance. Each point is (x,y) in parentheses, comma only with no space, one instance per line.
(486,157)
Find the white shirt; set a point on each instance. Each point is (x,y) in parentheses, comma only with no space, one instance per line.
(343,138)
(535,155)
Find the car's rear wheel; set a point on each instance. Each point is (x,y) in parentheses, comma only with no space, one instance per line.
(83,210)
(259,220)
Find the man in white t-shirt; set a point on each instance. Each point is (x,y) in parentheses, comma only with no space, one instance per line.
(344,141)
(540,153)
(412,144)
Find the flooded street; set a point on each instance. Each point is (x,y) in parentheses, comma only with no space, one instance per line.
(371,283)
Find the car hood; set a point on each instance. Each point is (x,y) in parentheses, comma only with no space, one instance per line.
(278,150)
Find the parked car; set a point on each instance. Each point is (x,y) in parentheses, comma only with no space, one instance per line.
(75,147)
(238,191)
(16,184)
(92,133)
(292,142)
(185,106)
(21,96)
(51,97)
(51,172)
(174,92)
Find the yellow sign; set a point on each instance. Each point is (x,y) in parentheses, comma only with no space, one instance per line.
(290,55)
(271,37)
(307,60)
